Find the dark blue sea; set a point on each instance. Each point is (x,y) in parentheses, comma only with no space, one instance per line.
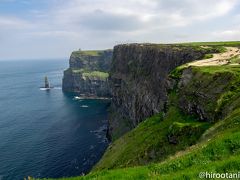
(46,133)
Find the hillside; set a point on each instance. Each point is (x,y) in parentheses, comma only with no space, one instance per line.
(197,128)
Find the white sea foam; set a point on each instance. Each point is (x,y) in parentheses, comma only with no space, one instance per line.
(77,97)
(44,89)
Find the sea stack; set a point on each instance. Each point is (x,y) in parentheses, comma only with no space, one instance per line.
(47,85)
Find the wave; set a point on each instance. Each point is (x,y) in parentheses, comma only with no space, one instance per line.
(47,89)
(44,89)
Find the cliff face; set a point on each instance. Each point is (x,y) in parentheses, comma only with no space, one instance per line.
(209,93)
(88,73)
(198,97)
(139,79)
(91,60)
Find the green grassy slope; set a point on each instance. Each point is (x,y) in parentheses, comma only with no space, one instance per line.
(153,140)
(217,150)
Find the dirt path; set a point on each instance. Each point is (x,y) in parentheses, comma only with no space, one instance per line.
(217,59)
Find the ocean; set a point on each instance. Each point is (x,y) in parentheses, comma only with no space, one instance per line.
(46,133)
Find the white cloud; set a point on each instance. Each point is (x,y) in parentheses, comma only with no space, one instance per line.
(135,15)
(55,34)
(233,34)
(101,23)
(13,23)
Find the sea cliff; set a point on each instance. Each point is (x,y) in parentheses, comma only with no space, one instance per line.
(87,74)
(138,80)
(175,110)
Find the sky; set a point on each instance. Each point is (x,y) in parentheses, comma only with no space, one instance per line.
(41,29)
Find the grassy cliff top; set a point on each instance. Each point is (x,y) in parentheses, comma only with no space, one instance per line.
(89,52)
(220,43)
(223,43)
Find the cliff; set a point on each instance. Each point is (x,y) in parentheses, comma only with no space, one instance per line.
(138,80)
(197,130)
(88,73)
(91,60)
(196,121)
(202,112)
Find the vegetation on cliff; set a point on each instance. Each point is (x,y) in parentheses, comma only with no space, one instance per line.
(87,53)
(89,74)
(218,151)
(153,140)
(92,60)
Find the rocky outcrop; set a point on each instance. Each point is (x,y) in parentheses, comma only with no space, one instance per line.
(205,93)
(88,84)
(91,60)
(88,73)
(138,80)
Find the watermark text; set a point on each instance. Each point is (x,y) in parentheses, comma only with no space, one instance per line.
(213,175)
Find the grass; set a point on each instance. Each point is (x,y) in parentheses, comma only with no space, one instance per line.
(208,56)
(214,88)
(154,139)
(217,152)
(96,74)
(224,43)
(229,78)
(216,70)
(235,59)
(87,53)
(76,71)
(177,72)
(219,43)
(89,74)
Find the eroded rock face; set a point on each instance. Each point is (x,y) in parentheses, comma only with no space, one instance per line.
(88,73)
(84,85)
(138,80)
(91,60)
(200,92)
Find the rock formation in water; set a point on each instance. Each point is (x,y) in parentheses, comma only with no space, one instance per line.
(88,73)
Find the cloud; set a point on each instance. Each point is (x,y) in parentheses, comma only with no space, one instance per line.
(54,34)
(132,14)
(13,23)
(97,24)
(199,10)
(231,34)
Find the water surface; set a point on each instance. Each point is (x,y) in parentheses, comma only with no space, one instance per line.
(46,133)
